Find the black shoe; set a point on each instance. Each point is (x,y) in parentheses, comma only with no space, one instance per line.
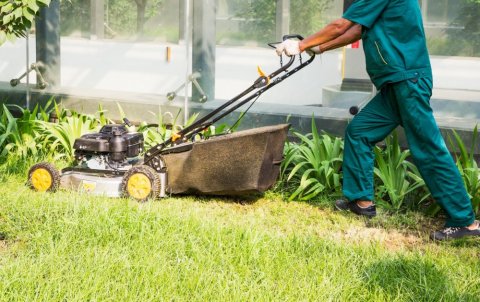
(343,205)
(455,232)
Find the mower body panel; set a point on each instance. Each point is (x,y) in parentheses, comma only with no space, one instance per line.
(90,183)
(99,184)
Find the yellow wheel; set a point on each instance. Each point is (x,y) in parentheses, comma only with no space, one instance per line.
(141,183)
(43,177)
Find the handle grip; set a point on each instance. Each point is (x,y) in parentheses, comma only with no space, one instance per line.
(285,37)
(292,36)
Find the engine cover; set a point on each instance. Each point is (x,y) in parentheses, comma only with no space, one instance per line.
(114,140)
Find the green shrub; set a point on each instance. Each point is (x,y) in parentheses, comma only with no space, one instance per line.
(160,132)
(60,136)
(468,167)
(19,137)
(313,165)
(396,176)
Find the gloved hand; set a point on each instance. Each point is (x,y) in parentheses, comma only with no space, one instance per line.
(289,47)
(316,50)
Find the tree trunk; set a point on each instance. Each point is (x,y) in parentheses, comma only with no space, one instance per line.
(141,6)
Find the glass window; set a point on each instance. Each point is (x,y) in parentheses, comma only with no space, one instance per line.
(121,49)
(244,28)
(452,27)
(437,11)
(138,49)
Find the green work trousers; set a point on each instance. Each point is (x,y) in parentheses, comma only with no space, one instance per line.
(405,103)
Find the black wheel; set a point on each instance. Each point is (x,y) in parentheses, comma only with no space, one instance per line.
(141,182)
(43,177)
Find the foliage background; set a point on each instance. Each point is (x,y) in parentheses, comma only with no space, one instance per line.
(121,16)
(306,17)
(17,16)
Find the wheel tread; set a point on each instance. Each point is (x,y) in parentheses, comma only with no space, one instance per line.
(150,173)
(51,169)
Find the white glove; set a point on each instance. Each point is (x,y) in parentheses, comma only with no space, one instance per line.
(316,50)
(289,47)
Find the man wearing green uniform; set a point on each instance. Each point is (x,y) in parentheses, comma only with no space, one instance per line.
(399,66)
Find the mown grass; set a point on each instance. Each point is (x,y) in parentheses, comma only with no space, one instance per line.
(72,247)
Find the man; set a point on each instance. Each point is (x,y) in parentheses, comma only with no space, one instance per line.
(399,66)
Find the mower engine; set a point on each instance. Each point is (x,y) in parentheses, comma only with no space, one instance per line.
(113,148)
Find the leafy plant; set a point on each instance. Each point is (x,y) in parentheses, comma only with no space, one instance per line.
(19,137)
(397,177)
(102,117)
(60,137)
(468,167)
(154,134)
(313,166)
(16,17)
(224,128)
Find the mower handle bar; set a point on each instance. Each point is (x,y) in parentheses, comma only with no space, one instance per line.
(262,84)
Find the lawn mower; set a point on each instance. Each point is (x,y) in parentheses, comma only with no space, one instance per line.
(110,163)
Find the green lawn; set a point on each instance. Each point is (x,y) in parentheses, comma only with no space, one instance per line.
(72,247)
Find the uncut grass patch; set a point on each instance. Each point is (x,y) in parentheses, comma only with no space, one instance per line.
(72,247)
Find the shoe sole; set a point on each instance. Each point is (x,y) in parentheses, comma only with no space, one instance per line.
(349,210)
